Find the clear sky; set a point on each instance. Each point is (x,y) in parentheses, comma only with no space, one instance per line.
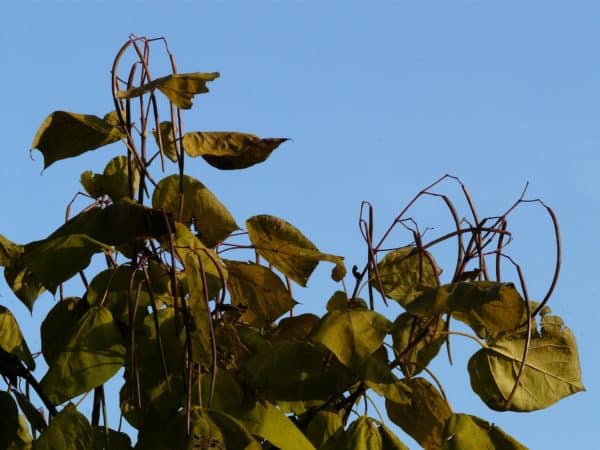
(380,98)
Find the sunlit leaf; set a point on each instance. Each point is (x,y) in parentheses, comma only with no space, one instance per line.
(405,330)
(178,88)
(65,135)
(229,150)
(9,419)
(389,440)
(93,354)
(351,335)
(268,422)
(284,246)
(166,135)
(9,252)
(258,291)
(551,370)
(68,430)
(211,219)
(424,416)
(114,182)
(11,339)
(376,375)
(405,274)
(465,432)
(322,426)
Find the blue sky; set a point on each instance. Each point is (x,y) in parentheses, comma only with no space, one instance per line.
(379,98)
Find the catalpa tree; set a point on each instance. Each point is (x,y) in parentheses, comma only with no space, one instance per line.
(213,350)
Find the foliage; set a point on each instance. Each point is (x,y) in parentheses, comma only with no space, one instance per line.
(213,352)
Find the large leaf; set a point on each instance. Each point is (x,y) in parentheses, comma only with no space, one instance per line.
(113,440)
(258,291)
(9,419)
(405,274)
(235,435)
(351,335)
(229,150)
(114,182)
(268,422)
(211,219)
(375,373)
(465,432)
(93,354)
(69,430)
(551,370)
(58,326)
(55,260)
(362,434)
(178,88)
(284,246)
(424,416)
(487,307)
(65,135)
(323,426)
(11,339)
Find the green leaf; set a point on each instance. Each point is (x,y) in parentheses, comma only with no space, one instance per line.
(424,416)
(11,339)
(363,434)
(211,219)
(116,440)
(168,144)
(284,246)
(68,430)
(351,335)
(235,435)
(405,274)
(295,328)
(229,150)
(23,439)
(551,370)
(114,182)
(178,88)
(465,432)
(405,330)
(55,260)
(93,354)
(323,426)
(33,415)
(9,419)
(9,252)
(389,440)
(59,325)
(258,291)
(376,375)
(65,135)
(489,308)
(268,422)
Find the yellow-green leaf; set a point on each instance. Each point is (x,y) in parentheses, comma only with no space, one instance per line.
(322,426)
(230,150)
(551,370)
(212,220)
(9,252)
(284,246)
(465,432)
(69,429)
(178,88)
(166,136)
(65,135)
(114,182)
(11,339)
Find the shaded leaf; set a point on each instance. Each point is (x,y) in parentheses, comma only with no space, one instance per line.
(551,370)
(465,432)
(114,182)
(362,434)
(9,252)
(323,426)
(11,339)
(115,440)
(178,88)
(405,274)
(33,415)
(93,354)
(68,430)
(258,291)
(376,375)
(229,150)
(295,328)
(211,219)
(59,325)
(389,440)
(351,335)
(235,435)
(286,248)
(25,285)
(65,135)
(424,416)
(166,135)
(9,419)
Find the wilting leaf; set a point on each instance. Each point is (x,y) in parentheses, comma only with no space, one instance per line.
(9,419)
(465,432)
(68,430)
(322,426)
(268,422)
(114,182)
(116,440)
(258,291)
(55,260)
(166,135)
(284,246)
(59,325)
(229,150)
(351,335)
(178,88)
(33,415)
(405,274)
(11,339)
(551,370)
(408,328)
(93,354)
(424,416)
(487,307)
(65,135)
(211,219)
